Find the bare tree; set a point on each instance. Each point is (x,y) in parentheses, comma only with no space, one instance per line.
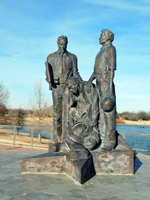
(4,115)
(141,115)
(38,104)
(19,119)
(4,94)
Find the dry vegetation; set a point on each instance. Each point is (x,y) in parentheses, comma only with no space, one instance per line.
(46,121)
(129,122)
(120,121)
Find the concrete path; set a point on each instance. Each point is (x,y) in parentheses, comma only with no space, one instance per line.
(14,185)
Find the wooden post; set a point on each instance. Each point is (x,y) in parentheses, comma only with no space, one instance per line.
(32,137)
(14,135)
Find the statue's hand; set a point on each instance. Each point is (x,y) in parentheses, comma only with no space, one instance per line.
(50,86)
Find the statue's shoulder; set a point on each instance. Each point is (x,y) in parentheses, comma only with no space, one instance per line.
(52,56)
(112,48)
(71,55)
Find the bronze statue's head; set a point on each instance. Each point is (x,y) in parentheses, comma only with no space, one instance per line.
(62,43)
(105,36)
(72,84)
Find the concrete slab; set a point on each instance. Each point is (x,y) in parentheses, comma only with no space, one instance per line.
(61,187)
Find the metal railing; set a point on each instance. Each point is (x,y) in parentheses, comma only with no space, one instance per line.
(32,130)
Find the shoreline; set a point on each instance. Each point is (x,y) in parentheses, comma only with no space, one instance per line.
(136,123)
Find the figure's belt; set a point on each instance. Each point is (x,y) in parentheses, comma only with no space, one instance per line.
(60,80)
(101,74)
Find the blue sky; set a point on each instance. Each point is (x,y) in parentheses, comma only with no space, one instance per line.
(29,31)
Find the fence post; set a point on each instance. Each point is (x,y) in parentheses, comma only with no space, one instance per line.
(32,137)
(14,135)
(51,136)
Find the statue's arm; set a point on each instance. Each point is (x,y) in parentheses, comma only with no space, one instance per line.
(93,76)
(89,83)
(111,66)
(95,108)
(75,69)
(112,58)
(48,73)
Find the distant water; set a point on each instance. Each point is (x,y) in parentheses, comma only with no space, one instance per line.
(120,128)
(133,129)
(26,129)
(135,141)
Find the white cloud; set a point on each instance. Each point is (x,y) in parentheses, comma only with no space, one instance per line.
(124,4)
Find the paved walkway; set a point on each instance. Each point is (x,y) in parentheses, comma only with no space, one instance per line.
(15,186)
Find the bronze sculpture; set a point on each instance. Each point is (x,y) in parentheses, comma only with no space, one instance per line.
(84,118)
(60,65)
(105,64)
(73,99)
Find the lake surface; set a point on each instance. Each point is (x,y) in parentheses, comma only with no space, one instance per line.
(135,141)
(133,129)
(26,129)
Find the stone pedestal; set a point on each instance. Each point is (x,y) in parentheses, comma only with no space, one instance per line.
(118,161)
(44,163)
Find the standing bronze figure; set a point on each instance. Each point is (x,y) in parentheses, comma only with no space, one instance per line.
(105,64)
(60,65)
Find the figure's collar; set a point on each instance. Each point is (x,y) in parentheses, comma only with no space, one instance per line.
(108,44)
(59,52)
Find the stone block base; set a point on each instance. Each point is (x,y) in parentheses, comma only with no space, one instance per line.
(44,163)
(116,162)
(119,161)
